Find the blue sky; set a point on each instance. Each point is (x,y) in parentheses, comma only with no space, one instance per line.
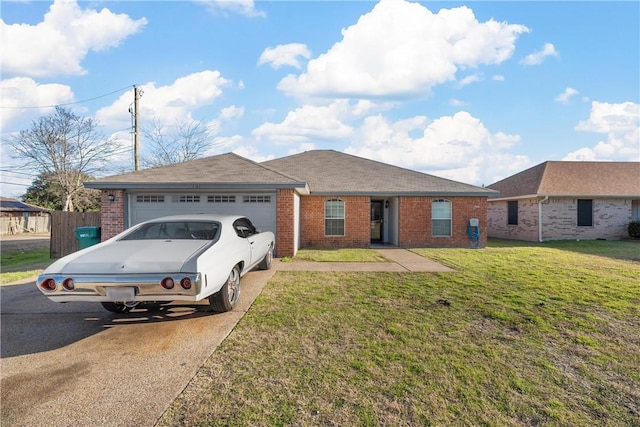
(471,91)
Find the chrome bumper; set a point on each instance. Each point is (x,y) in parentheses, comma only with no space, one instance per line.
(143,287)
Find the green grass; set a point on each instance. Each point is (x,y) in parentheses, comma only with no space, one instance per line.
(339,255)
(518,335)
(18,265)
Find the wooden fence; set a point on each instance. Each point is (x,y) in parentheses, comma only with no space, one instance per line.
(63,225)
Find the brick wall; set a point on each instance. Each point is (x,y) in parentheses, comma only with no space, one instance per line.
(357,223)
(415,221)
(611,218)
(527,227)
(112,213)
(285,224)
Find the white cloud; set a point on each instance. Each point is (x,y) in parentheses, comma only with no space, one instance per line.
(565,96)
(231,112)
(537,57)
(24,92)
(620,123)
(242,7)
(498,78)
(457,147)
(58,44)
(401,49)
(308,122)
(457,103)
(166,104)
(285,54)
(251,152)
(473,78)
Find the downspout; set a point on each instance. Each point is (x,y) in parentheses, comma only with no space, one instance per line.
(543,200)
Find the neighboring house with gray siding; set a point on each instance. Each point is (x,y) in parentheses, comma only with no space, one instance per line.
(558,200)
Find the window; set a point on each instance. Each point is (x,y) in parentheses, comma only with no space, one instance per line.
(585,212)
(149,198)
(256,199)
(512,215)
(334,217)
(200,230)
(221,199)
(244,227)
(441,218)
(189,199)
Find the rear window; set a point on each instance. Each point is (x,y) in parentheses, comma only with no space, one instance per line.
(181,230)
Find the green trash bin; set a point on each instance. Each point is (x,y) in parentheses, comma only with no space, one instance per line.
(87,236)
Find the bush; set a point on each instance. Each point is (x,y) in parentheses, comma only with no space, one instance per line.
(634,229)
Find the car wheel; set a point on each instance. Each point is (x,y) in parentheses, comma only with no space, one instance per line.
(266,262)
(117,307)
(227,297)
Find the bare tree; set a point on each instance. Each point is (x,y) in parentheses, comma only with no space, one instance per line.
(67,147)
(188,141)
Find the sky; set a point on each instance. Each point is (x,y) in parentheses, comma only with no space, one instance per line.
(471,91)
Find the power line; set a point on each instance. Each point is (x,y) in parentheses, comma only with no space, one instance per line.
(14,183)
(65,104)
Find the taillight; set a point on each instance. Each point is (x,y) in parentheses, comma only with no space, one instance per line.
(68,284)
(185,283)
(167,283)
(48,284)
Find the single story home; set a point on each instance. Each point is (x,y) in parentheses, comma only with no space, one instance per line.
(558,200)
(319,198)
(18,217)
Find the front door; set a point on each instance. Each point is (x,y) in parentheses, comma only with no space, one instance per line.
(377,210)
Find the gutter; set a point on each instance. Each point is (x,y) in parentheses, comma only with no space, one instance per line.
(540,202)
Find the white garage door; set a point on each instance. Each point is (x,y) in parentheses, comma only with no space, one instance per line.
(259,207)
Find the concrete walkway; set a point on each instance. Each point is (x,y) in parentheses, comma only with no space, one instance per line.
(401,260)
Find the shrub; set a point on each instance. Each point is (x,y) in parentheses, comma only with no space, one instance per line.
(634,229)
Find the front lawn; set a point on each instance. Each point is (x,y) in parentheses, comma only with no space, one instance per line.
(18,265)
(518,335)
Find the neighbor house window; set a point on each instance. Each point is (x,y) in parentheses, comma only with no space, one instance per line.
(334,217)
(585,212)
(441,217)
(512,214)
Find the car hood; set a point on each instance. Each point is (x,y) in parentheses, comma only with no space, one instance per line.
(134,256)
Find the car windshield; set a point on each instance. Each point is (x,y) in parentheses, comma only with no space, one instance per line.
(199,230)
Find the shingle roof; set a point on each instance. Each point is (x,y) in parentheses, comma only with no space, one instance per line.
(332,172)
(8,204)
(222,170)
(319,171)
(558,178)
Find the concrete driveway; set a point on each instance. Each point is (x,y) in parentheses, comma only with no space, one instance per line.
(77,364)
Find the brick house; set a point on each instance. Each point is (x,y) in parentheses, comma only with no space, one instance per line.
(559,200)
(319,198)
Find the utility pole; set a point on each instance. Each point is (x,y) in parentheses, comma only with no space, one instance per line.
(136,130)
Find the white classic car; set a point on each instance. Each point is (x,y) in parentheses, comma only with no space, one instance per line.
(174,258)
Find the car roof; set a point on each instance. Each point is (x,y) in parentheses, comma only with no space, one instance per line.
(197,217)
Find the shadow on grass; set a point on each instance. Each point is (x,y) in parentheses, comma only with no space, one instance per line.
(627,250)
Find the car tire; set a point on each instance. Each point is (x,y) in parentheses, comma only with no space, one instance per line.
(227,297)
(116,307)
(266,262)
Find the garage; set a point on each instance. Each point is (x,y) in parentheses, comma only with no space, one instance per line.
(260,207)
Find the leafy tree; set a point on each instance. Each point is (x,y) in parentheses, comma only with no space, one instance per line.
(45,191)
(67,147)
(186,141)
